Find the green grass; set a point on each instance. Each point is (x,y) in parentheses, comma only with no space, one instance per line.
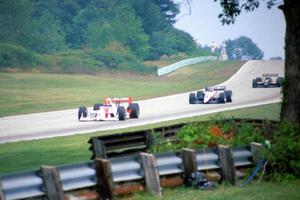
(288,190)
(28,155)
(22,93)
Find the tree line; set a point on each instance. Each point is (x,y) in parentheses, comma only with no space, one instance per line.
(144,27)
(85,35)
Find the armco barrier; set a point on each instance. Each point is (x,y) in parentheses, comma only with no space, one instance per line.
(74,176)
(82,175)
(22,185)
(190,61)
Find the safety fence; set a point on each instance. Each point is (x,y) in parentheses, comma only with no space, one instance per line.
(105,174)
(170,68)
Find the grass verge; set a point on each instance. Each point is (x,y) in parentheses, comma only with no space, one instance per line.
(28,155)
(265,190)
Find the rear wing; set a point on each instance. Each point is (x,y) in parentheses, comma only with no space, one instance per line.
(219,87)
(118,100)
(270,74)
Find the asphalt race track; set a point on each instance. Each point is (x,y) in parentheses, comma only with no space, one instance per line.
(62,123)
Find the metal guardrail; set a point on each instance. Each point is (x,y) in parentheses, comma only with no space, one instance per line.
(126,169)
(186,62)
(82,175)
(75,176)
(242,156)
(169,163)
(207,159)
(22,185)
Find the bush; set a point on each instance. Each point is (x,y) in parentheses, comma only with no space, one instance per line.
(113,57)
(210,134)
(285,150)
(13,56)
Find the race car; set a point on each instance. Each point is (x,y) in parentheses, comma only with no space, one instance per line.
(214,94)
(267,80)
(112,109)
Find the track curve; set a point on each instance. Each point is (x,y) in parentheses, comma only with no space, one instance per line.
(62,123)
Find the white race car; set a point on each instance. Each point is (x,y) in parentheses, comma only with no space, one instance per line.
(268,80)
(113,109)
(215,94)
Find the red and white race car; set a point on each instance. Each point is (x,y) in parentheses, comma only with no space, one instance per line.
(112,109)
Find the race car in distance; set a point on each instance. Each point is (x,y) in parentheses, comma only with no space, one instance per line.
(112,109)
(267,80)
(214,94)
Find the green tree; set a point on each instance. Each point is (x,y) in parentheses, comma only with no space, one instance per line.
(243,48)
(92,13)
(64,11)
(129,30)
(168,9)
(170,41)
(98,34)
(15,21)
(152,17)
(19,26)
(47,35)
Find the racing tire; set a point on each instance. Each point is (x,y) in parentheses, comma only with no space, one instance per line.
(135,110)
(97,106)
(254,83)
(200,95)
(192,98)
(221,98)
(82,112)
(258,79)
(121,113)
(228,95)
(279,81)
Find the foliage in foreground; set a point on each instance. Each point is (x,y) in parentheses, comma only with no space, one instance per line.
(285,150)
(282,155)
(211,133)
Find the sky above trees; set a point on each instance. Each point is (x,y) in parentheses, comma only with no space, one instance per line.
(265,27)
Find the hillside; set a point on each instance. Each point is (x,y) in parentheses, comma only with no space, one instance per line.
(85,36)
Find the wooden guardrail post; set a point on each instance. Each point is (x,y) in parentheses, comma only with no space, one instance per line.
(227,164)
(189,162)
(104,179)
(98,148)
(256,150)
(152,180)
(54,190)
